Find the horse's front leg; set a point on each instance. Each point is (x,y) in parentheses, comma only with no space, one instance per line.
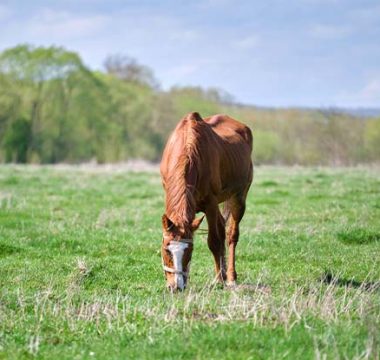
(215,240)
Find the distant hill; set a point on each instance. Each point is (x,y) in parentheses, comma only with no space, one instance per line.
(355,112)
(361,112)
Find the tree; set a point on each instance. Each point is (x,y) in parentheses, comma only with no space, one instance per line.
(128,69)
(372,139)
(61,106)
(54,109)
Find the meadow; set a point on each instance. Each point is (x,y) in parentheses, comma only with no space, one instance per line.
(81,276)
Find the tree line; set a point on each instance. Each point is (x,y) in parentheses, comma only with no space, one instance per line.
(54,109)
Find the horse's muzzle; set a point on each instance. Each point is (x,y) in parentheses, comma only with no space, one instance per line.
(175,288)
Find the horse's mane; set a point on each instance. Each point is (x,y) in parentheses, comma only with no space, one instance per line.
(191,135)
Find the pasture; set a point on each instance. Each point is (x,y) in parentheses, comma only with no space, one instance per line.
(81,276)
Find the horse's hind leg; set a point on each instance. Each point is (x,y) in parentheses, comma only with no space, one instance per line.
(237,209)
(216,239)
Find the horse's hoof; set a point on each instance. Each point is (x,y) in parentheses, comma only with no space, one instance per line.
(231,283)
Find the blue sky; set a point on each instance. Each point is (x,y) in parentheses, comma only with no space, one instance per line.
(269,53)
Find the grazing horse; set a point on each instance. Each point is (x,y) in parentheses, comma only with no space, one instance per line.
(205,162)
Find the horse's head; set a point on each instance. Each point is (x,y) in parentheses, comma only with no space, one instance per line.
(177,248)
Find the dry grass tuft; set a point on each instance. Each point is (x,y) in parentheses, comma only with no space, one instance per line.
(253,303)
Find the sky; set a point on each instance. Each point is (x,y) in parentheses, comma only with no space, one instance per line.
(282,53)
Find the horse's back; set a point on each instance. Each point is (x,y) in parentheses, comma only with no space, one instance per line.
(236,168)
(230,129)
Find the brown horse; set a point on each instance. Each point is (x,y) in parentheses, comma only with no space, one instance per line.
(205,163)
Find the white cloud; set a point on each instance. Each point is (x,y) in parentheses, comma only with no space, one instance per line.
(183,70)
(185,35)
(365,14)
(215,3)
(63,25)
(248,42)
(371,91)
(329,32)
(367,96)
(321,2)
(5,12)
(219,46)
(185,73)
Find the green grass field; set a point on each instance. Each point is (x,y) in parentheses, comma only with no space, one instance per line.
(81,277)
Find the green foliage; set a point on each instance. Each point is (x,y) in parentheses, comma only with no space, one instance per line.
(81,276)
(129,70)
(372,139)
(16,140)
(187,99)
(56,110)
(267,147)
(53,109)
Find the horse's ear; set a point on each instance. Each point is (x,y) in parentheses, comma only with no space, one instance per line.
(167,224)
(196,222)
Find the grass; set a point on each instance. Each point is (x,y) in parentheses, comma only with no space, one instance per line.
(81,277)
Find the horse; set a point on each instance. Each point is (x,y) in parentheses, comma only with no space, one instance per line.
(206,162)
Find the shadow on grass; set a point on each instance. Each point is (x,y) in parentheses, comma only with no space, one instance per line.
(6,250)
(329,278)
(358,236)
(268,183)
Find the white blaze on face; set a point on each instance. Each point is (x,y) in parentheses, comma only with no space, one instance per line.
(177,249)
